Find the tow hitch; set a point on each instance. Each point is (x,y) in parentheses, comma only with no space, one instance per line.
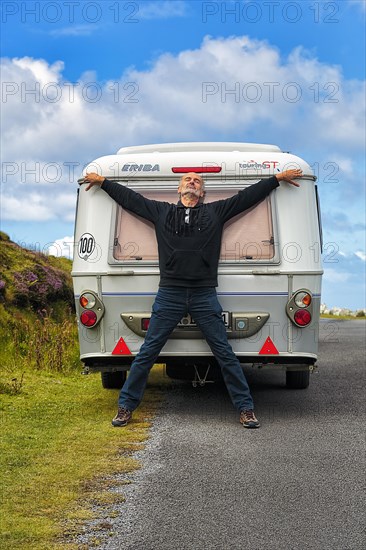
(199,380)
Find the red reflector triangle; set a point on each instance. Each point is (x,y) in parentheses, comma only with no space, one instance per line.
(121,348)
(268,348)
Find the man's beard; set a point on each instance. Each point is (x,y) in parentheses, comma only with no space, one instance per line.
(191,191)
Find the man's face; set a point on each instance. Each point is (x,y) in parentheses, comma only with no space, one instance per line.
(191,184)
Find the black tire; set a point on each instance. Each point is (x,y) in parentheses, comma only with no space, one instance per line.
(113,380)
(179,372)
(297,379)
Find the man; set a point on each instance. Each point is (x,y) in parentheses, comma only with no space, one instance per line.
(189,240)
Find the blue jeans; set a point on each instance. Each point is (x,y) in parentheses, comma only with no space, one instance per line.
(171,304)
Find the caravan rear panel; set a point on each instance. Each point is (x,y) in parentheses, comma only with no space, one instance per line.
(269,271)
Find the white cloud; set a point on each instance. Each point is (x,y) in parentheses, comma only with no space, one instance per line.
(361,255)
(234,86)
(202,94)
(350,256)
(31,207)
(35,206)
(161,9)
(361,4)
(33,70)
(75,30)
(346,166)
(62,247)
(344,281)
(333,276)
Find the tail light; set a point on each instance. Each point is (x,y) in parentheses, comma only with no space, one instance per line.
(303,299)
(87,300)
(88,318)
(145,322)
(300,308)
(91,309)
(302,317)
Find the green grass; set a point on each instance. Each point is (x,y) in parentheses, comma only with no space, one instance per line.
(343,317)
(59,452)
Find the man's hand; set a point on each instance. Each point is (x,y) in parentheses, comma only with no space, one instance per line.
(93,179)
(288,176)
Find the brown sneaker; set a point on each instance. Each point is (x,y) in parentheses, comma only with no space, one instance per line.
(122,417)
(248,419)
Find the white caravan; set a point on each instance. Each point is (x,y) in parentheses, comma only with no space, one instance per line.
(269,271)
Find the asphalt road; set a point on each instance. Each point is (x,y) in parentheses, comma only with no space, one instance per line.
(295,484)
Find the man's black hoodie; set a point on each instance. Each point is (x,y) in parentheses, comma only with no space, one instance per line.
(189,239)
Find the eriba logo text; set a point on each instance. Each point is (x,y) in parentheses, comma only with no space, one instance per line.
(141,168)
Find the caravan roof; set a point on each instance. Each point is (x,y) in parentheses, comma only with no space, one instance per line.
(231,147)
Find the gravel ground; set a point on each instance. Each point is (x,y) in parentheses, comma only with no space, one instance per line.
(294,484)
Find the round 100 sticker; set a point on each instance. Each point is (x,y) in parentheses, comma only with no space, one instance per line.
(86,246)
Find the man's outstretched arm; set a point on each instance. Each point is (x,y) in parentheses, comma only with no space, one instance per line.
(253,194)
(289,176)
(126,197)
(93,179)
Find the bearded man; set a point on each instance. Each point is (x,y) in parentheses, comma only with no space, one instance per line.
(189,240)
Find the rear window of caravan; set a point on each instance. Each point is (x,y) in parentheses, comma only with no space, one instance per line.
(246,237)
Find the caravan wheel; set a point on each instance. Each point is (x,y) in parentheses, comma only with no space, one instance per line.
(297,379)
(113,380)
(179,372)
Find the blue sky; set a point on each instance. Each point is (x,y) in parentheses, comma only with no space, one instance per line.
(111,74)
